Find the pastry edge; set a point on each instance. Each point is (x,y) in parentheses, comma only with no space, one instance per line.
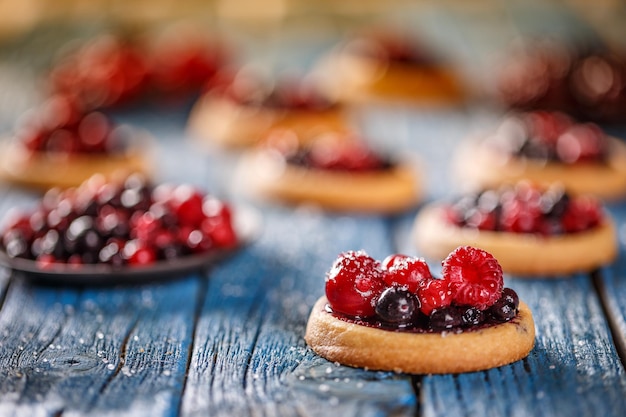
(431,353)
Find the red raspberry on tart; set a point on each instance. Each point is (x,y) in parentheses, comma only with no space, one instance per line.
(389,67)
(241,108)
(463,321)
(61,144)
(129,223)
(531,230)
(546,147)
(334,171)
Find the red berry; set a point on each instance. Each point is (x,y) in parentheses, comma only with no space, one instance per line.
(475,277)
(582,213)
(187,205)
(331,152)
(406,272)
(221,232)
(139,253)
(354,283)
(433,294)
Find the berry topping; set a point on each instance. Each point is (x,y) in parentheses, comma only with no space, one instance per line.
(354,283)
(332,151)
(397,306)
(469,294)
(551,136)
(526,209)
(132,223)
(60,127)
(406,272)
(475,277)
(506,307)
(434,294)
(249,89)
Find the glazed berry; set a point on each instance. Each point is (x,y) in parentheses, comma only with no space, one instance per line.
(405,272)
(475,277)
(434,294)
(506,307)
(354,283)
(397,306)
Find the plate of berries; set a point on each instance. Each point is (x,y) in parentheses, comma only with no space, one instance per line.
(106,232)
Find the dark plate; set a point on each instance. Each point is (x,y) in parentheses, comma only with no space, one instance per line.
(247,224)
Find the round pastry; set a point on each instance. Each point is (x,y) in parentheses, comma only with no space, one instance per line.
(532,231)
(388,67)
(240,110)
(546,147)
(396,316)
(588,84)
(334,171)
(59,145)
(119,223)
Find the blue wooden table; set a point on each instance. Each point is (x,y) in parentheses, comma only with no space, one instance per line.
(228,340)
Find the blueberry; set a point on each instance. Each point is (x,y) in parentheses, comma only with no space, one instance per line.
(446,318)
(472,316)
(397,306)
(506,307)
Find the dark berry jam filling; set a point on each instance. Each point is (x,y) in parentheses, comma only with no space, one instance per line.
(526,209)
(400,293)
(551,137)
(133,223)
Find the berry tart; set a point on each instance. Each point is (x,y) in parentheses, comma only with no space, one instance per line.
(335,171)
(109,226)
(396,316)
(240,109)
(60,144)
(588,84)
(531,230)
(388,67)
(546,147)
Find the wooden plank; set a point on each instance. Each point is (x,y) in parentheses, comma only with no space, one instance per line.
(121,351)
(250,357)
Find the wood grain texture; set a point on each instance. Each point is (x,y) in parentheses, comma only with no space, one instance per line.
(250,357)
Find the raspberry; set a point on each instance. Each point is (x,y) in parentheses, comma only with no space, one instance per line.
(354,283)
(434,294)
(405,271)
(475,277)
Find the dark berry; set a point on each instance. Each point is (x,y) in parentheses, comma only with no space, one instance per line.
(397,306)
(471,316)
(446,318)
(475,277)
(506,307)
(354,283)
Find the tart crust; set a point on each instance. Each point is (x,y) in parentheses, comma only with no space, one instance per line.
(355,79)
(489,168)
(266,175)
(419,353)
(46,171)
(519,253)
(230,125)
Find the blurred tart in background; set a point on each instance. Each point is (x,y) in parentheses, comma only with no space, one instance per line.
(240,109)
(58,144)
(382,66)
